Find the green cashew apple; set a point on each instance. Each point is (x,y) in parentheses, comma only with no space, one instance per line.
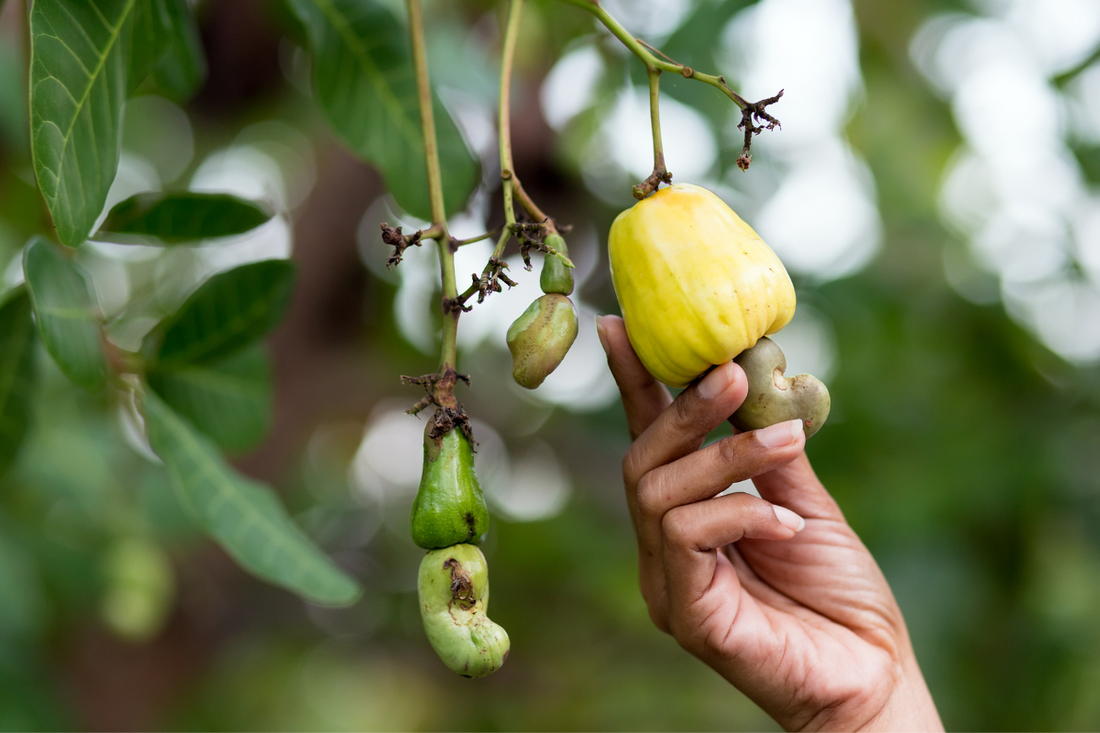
(540,338)
(556,276)
(774,398)
(453,586)
(449,508)
(140,588)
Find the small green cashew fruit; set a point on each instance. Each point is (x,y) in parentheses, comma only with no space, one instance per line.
(773,398)
(140,588)
(556,276)
(540,338)
(454,597)
(449,508)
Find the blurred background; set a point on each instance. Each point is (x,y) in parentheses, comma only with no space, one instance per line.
(935,194)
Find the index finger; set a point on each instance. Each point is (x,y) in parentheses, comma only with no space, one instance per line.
(644,398)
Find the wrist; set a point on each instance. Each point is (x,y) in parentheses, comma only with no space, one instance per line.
(907,707)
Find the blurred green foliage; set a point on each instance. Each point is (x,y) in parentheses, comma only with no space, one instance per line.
(962,451)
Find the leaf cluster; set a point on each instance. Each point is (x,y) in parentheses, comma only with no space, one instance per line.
(201,378)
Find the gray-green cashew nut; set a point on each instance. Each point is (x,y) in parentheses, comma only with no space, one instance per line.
(454,597)
(774,398)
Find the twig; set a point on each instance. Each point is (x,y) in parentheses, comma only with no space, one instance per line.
(443,388)
(654,60)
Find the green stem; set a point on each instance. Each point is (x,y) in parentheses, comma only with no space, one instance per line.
(511,34)
(427,115)
(507,171)
(655,120)
(532,209)
(478,238)
(448,353)
(513,189)
(651,61)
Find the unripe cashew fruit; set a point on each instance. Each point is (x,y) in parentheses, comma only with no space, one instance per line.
(454,597)
(140,588)
(540,338)
(696,285)
(556,277)
(449,507)
(774,398)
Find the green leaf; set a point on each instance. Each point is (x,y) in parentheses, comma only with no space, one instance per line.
(77,88)
(364,81)
(67,320)
(166,51)
(183,216)
(229,399)
(16,372)
(228,312)
(244,517)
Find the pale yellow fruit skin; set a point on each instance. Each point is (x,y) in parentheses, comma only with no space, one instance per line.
(696,285)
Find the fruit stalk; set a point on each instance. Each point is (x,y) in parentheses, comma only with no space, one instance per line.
(660,173)
(448,355)
(655,120)
(656,62)
(513,188)
(653,61)
(504,123)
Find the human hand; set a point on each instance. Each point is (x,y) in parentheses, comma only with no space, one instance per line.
(777,594)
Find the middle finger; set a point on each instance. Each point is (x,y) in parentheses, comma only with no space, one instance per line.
(683,426)
(707,472)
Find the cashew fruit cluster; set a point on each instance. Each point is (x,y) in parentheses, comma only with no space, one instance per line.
(698,287)
(541,337)
(449,514)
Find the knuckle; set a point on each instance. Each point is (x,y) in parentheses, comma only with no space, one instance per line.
(684,413)
(729,450)
(650,503)
(632,467)
(743,501)
(737,453)
(676,527)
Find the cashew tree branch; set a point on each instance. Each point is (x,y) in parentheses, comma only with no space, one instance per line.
(439,386)
(754,115)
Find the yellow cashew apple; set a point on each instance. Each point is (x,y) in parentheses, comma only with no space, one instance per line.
(696,285)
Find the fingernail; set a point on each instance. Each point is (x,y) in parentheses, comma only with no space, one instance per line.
(781,434)
(789,519)
(717,382)
(602,335)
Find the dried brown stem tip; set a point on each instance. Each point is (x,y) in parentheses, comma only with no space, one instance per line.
(755,112)
(649,185)
(449,413)
(393,237)
(453,305)
(530,236)
(489,282)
